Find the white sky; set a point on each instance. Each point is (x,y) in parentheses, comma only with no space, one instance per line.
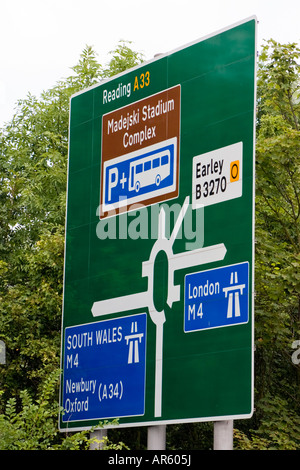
(41,39)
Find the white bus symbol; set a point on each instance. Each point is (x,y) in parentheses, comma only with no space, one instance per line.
(149,170)
(139,176)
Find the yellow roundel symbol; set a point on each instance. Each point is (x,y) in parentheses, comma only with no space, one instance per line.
(234,171)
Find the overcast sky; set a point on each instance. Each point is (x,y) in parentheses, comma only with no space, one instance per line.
(41,39)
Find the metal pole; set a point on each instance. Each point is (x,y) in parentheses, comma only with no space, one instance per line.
(223,435)
(99,434)
(2,352)
(156,437)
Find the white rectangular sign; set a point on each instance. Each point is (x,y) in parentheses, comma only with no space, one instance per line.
(217,176)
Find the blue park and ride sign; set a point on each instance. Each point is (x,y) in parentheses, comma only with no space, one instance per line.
(157,324)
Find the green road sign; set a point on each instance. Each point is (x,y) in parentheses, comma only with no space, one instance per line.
(158,288)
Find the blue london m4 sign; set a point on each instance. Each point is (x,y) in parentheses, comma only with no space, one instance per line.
(217,297)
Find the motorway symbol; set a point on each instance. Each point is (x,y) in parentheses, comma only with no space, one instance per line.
(133,341)
(235,289)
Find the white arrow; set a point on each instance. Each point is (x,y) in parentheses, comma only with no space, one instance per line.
(144,299)
(177,262)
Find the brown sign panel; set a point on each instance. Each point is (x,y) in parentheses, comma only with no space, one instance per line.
(140,153)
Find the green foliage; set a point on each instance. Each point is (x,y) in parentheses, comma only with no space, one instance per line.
(278,82)
(279,428)
(88,71)
(34,426)
(123,57)
(277,302)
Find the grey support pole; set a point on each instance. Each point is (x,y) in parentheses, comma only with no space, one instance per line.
(223,435)
(156,437)
(99,434)
(2,352)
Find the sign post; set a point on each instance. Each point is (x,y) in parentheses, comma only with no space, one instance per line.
(158,289)
(223,435)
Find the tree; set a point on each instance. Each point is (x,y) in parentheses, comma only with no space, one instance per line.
(33,175)
(277,279)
